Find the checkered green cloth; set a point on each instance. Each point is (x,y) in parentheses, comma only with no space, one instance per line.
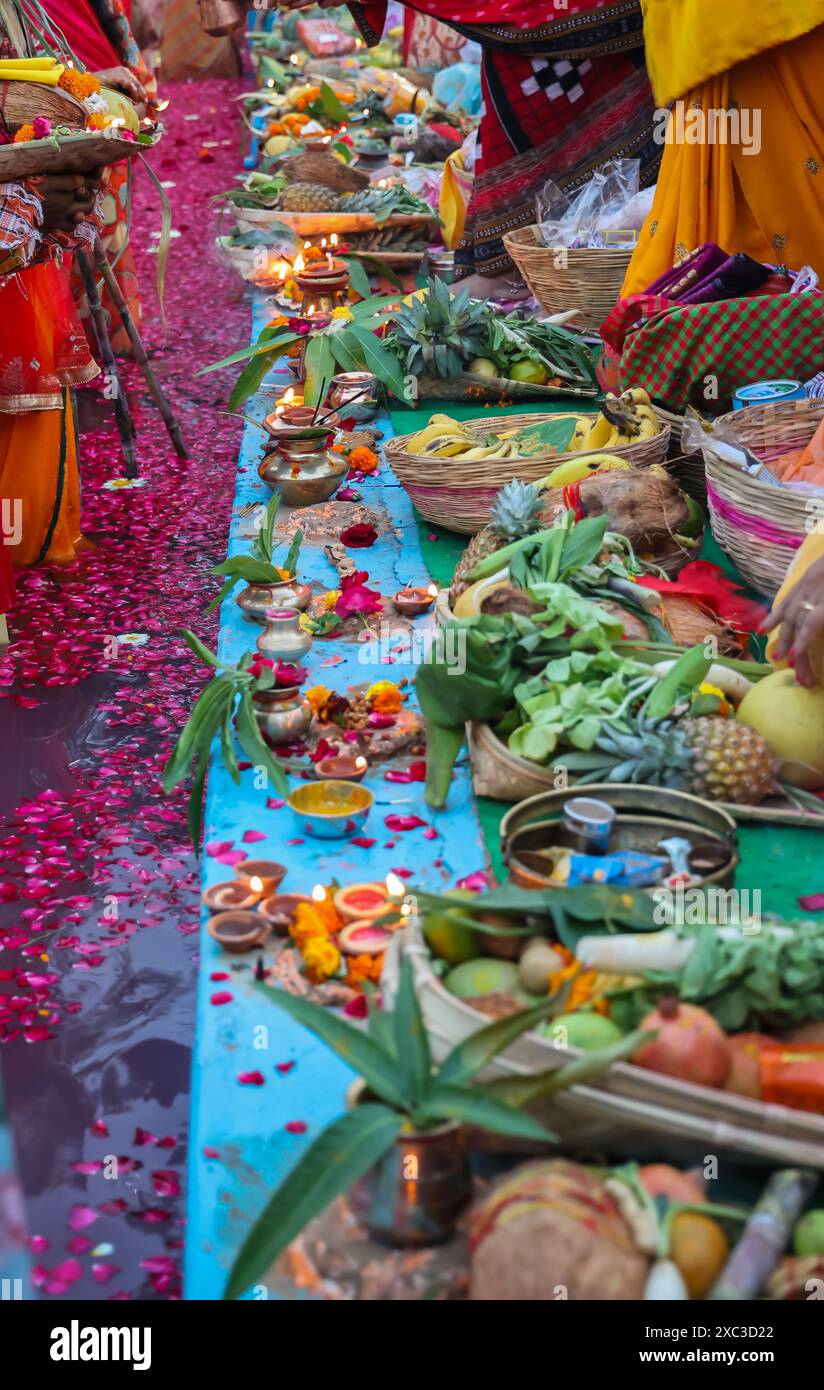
(699,354)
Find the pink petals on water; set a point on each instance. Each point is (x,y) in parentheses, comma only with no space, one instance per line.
(166,1182)
(251,1078)
(221,996)
(415,772)
(80,1217)
(296,1127)
(253,837)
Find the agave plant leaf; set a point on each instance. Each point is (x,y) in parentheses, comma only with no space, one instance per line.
(380,1025)
(523,1090)
(336,1159)
(411,1049)
(473,1106)
(258,752)
(371,1061)
(474,1053)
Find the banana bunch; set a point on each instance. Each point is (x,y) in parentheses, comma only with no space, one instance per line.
(624,419)
(574,470)
(445,438)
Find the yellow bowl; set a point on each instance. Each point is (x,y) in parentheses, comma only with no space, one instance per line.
(331,809)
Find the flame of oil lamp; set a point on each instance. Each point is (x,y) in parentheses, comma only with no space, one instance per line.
(319,893)
(299,264)
(256,884)
(307,246)
(395,886)
(323,244)
(333,240)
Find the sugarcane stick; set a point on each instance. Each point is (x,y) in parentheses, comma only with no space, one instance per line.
(125,423)
(159,396)
(765,1235)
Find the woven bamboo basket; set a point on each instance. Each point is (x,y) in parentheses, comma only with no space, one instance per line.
(626,1103)
(463,501)
(686,469)
(588,280)
(759,526)
(504,776)
(22,102)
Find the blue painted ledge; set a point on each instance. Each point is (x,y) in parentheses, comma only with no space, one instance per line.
(245,1124)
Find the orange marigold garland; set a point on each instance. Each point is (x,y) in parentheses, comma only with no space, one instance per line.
(26,132)
(79,84)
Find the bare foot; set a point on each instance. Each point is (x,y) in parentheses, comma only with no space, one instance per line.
(509,287)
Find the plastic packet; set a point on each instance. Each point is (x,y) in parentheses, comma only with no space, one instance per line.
(718,437)
(595,215)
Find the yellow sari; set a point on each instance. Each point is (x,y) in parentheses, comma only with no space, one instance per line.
(717,56)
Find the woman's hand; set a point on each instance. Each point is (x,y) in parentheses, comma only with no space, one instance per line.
(123,80)
(801,615)
(67,199)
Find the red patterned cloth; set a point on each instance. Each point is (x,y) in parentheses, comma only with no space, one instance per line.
(564,90)
(699,354)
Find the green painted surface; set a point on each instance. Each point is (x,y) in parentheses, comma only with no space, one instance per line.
(781,861)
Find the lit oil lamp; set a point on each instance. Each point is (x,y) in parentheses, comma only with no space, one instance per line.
(412,601)
(365,938)
(360,902)
(260,876)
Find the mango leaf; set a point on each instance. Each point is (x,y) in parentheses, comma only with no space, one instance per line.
(523,1090)
(411,1041)
(333,107)
(337,1158)
(251,379)
(344,353)
(320,368)
(380,360)
(269,340)
(472,1055)
(358,277)
(379,267)
(377,1067)
(687,673)
(473,1106)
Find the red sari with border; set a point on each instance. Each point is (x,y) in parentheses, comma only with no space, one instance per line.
(561,97)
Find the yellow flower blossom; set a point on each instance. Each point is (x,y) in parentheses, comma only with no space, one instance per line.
(384,697)
(321,959)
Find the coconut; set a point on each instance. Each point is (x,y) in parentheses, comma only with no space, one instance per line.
(644,504)
(551,1230)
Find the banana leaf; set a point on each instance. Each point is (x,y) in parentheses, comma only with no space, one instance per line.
(554,433)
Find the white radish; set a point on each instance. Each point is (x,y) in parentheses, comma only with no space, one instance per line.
(665,1283)
(633,952)
(732,683)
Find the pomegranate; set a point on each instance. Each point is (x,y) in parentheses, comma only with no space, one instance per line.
(690,1045)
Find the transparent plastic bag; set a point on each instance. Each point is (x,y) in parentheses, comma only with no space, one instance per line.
(602,213)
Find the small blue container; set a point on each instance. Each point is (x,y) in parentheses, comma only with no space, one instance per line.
(768,393)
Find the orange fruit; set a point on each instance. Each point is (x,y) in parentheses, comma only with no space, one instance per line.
(700,1250)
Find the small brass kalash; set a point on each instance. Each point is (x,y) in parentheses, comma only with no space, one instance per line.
(302,467)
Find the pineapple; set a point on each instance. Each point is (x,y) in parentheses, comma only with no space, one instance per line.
(308,197)
(514,514)
(440,332)
(712,757)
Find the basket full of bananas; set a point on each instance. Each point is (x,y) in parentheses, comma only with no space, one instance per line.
(453,469)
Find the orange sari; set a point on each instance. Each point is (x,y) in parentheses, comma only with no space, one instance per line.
(769,204)
(43,352)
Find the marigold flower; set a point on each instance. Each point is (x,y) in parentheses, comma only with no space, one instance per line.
(98,121)
(385,697)
(313,253)
(78,84)
(330,599)
(26,132)
(314,920)
(363,969)
(363,459)
(319,697)
(321,959)
(279,321)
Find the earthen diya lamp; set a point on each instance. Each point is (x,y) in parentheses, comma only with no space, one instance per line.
(260,876)
(411,602)
(280,909)
(224,897)
(342,765)
(359,902)
(238,931)
(364,939)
